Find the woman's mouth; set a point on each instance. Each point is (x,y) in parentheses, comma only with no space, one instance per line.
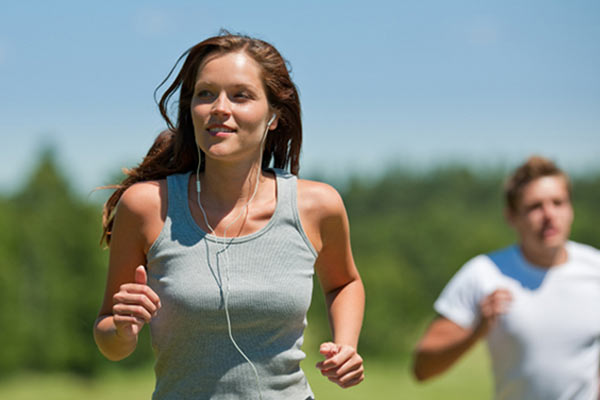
(219,130)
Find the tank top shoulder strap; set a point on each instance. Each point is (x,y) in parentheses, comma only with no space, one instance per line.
(177,187)
(287,204)
(287,197)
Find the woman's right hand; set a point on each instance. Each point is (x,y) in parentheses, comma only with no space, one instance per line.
(134,305)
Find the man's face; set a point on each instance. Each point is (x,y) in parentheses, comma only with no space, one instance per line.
(544,215)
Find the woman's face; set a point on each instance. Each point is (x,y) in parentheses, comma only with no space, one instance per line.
(229,107)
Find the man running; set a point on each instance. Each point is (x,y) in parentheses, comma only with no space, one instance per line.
(536,302)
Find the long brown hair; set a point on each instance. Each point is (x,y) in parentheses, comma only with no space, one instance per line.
(175,151)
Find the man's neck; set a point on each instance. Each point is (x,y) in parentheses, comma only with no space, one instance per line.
(545,258)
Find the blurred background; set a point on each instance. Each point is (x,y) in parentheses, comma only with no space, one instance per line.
(414,111)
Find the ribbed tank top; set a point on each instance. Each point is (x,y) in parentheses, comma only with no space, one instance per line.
(270,287)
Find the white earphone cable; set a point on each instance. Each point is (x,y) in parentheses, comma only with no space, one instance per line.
(224,248)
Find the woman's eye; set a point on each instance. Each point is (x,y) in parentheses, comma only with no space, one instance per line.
(203,93)
(242,95)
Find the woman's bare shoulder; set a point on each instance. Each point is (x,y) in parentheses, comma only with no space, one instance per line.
(144,199)
(320,198)
(140,214)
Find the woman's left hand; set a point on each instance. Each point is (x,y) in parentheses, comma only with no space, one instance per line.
(342,364)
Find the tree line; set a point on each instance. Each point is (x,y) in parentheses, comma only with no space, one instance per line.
(410,232)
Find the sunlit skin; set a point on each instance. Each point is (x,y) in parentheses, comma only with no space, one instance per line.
(229,108)
(230,114)
(543,219)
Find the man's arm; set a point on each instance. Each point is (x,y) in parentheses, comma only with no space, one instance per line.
(443,344)
(445,341)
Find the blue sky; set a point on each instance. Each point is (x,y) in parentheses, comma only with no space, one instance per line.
(381,82)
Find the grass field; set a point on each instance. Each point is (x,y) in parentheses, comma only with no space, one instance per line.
(470,379)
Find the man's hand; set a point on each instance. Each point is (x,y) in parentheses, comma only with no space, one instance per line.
(491,307)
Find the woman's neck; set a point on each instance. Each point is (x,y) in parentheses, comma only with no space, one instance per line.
(228,185)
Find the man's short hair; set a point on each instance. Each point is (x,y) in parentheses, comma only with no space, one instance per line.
(534,168)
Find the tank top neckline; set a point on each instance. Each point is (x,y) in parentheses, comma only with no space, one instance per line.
(279,193)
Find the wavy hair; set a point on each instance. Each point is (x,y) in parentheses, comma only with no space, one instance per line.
(534,168)
(174,150)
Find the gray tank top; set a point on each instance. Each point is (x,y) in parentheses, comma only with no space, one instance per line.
(270,287)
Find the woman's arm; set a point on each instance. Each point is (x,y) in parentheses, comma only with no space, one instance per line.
(326,223)
(128,302)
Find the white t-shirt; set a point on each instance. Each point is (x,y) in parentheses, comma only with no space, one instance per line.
(547,346)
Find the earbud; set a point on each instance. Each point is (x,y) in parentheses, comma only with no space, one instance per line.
(271,120)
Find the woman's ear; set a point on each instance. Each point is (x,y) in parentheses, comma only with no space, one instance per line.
(272,124)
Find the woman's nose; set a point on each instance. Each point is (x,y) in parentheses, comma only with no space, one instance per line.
(221,105)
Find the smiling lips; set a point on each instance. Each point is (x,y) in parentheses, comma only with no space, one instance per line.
(219,130)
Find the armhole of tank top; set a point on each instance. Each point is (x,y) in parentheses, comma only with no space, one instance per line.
(169,199)
(293,193)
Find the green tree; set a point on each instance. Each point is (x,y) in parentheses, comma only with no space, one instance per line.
(410,232)
(55,274)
